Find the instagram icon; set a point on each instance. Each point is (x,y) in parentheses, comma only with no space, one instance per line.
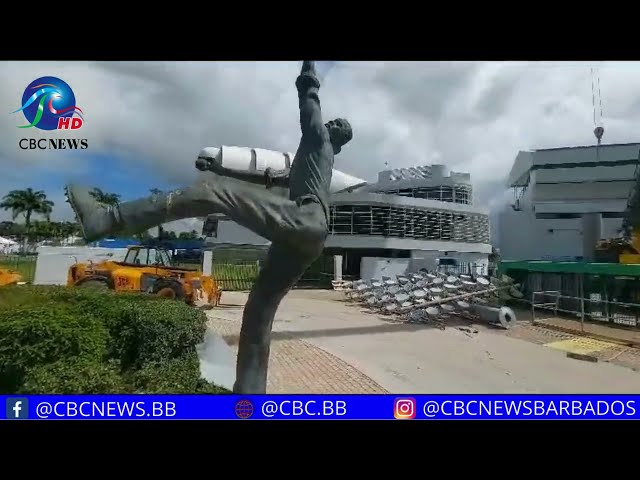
(404,408)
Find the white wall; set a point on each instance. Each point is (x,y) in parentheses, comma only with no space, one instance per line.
(428,258)
(523,237)
(230,232)
(516,234)
(582,206)
(375,267)
(53,263)
(606,153)
(555,175)
(581,191)
(373,241)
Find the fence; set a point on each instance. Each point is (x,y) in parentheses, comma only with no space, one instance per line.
(25,264)
(241,275)
(463,268)
(236,276)
(593,309)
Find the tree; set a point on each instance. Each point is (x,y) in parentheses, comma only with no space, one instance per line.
(168,235)
(104,197)
(69,229)
(11,229)
(56,231)
(192,235)
(27,202)
(143,236)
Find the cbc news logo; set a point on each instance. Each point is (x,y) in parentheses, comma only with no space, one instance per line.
(404,408)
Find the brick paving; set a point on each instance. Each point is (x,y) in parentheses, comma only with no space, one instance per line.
(616,354)
(296,366)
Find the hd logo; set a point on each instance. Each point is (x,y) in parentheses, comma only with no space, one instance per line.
(48,103)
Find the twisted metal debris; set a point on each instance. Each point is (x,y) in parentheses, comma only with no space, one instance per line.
(432,297)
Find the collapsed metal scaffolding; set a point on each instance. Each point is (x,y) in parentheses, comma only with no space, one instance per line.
(434,297)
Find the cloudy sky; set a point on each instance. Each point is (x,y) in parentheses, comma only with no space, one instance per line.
(146,122)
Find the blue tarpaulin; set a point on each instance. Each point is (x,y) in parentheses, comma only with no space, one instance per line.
(167,244)
(116,242)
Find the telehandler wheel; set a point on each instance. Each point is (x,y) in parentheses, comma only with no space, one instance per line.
(168,289)
(167,292)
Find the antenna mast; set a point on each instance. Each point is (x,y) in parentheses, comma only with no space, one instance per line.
(596,100)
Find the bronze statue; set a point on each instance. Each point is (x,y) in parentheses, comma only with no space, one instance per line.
(296,225)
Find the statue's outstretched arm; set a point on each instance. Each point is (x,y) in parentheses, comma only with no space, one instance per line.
(279,178)
(209,164)
(308,85)
(269,177)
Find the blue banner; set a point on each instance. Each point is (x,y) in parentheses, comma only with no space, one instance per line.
(319,407)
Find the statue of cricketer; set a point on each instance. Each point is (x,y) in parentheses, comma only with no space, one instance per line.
(296,225)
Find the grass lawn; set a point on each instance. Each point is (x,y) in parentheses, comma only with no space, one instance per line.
(26,265)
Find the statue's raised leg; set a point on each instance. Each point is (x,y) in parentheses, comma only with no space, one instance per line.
(268,214)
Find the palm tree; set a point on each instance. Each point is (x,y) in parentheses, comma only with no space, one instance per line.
(104,197)
(27,202)
(70,229)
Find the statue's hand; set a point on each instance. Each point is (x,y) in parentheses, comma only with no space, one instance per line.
(308,68)
(203,164)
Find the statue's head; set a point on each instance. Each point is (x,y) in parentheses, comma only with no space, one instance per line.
(340,133)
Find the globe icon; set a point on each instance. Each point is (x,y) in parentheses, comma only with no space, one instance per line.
(244,409)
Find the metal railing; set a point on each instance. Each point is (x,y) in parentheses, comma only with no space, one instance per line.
(463,268)
(234,276)
(593,310)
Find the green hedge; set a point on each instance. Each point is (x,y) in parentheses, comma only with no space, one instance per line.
(64,340)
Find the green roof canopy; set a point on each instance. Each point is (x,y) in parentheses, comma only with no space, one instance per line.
(632,270)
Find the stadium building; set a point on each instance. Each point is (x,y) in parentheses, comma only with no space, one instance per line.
(410,218)
(556,190)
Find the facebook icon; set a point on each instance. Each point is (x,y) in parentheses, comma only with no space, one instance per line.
(17,408)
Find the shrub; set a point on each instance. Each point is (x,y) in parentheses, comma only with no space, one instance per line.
(64,340)
(39,335)
(178,375)
(75,376)
(162,330)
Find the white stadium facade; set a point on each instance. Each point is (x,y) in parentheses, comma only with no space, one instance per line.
(556,190)
(410,218)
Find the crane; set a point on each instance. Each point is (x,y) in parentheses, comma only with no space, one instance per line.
(625,249)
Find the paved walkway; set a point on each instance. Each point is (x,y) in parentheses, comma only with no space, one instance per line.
(325,345)
(296,366)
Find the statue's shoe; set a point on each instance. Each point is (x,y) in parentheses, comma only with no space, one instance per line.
(96,220)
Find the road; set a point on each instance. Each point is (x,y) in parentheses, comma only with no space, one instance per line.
(403,358)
